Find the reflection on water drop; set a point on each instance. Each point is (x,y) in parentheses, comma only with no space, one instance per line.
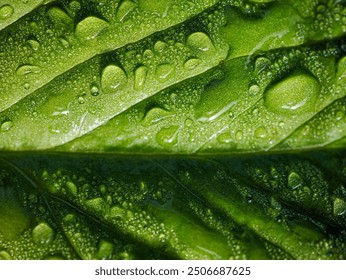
(94,90)
(293,95)
(6,11)
(239,135)
(164,72)
(167,136)
(90,27)
(225,138)
(113,79)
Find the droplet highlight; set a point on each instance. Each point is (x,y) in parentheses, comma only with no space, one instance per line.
(90,28)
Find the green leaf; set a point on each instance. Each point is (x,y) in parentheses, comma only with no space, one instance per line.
(175,130)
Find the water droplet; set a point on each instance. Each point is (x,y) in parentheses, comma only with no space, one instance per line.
(239,135)
(261,64)
(155,115)
(43,234)
(192,63)
(125,9)
(97,204)
(261,132)
(113,79)
(6,11)
(167,136)
(81,99)
(225,138)
(254,89)
(34,44)
(28,69)
(200,43)
(293,95)
(158,7)
(62,21)
(6,125)
(105,250)
(72,188)
(64,42)
(282,124)
(160,46)
(90,27)
(140,77)
(164,72)
(94,90)
(339,207)
(294,181)
(339,115)
(27,86)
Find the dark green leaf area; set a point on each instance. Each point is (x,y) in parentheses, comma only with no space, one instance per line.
(285,206)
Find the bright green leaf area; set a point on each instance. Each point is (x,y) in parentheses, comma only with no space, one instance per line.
(172,130)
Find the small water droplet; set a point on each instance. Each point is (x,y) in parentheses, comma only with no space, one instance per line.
(94,90)
(28,69)
(43,234)
(293,95)
(192,63)
(6,11)
(339,115)
(294,181)
(164,72)
(6,125)
(64,42)
(254,89)
(97,204)
(261,132)
(282,124)
(339,207)
(200,43)
(81,99)
(113,79)
(167,136)
(90,27)
(140,77)
(125,9)
(27,86)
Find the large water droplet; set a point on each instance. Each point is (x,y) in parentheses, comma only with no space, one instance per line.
(167,136)
(155,115)
(164,72)
(200,43)
(90,27)
(294,181)
(61,20)
(125,9)
(105,250)
(293,95)
(160,46)
(43,234)
(113,79)
(6,125)
(28,69)
(6,11)
(140,77)
(225,138)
